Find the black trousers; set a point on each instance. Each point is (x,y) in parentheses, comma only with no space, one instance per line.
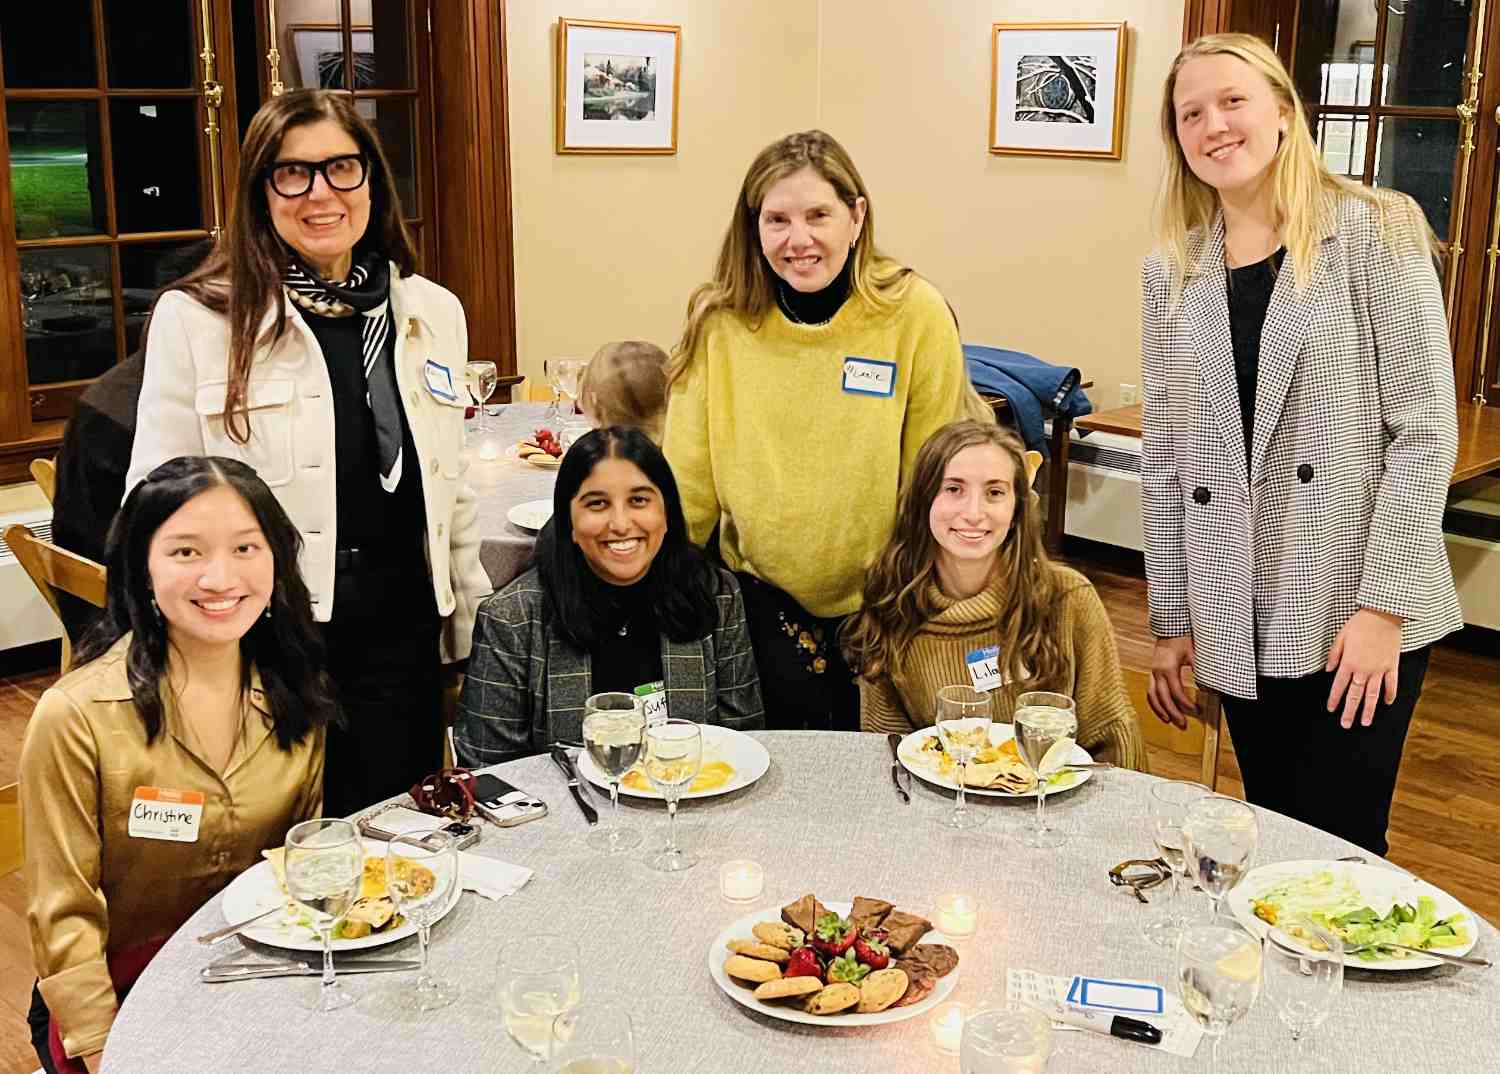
(804,681)
(384,657)
(1296,759)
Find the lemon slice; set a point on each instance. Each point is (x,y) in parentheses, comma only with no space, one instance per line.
(1241,964)
(1056,757)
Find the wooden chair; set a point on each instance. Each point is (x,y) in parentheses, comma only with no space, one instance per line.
(44,473)
(52,568)
(10,829)
(1201,737)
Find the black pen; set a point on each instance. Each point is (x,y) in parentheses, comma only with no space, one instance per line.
(1117,1025)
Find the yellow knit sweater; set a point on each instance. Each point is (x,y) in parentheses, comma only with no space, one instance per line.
(1107,725)
(801,475)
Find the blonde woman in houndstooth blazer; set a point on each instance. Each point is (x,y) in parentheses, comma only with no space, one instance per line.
(1300,430)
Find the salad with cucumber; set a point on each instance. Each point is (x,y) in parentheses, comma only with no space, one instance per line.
(1333,902)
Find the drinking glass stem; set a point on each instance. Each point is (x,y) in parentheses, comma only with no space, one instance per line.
(1041,804)
(328,978)
(424,979)
(958,803)
(1213,1054)
(672,825)
(614,810)
(1170,910)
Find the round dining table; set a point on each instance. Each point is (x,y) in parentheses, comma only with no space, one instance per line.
(825,819)
(504,482)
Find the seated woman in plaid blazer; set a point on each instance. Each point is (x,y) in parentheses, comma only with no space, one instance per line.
(619,599)
(1300,430)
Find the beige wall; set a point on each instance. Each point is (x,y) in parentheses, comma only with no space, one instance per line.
(1036,254)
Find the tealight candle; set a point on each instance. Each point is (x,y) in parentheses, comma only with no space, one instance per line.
(741,881)
(947,1025)
(957,916)
(489,450)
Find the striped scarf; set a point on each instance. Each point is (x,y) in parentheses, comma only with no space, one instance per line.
(366,292)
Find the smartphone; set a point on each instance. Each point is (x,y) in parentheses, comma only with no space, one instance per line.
(504,805)
(400,820)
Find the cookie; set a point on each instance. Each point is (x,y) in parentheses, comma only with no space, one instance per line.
(920,981)
(759,950)
(882,988)
(938,957)
(751,969)
(834,998)
(779,934)
(788,988)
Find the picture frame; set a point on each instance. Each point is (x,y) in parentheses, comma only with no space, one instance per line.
(618,84)
(1057,89)
(319,49)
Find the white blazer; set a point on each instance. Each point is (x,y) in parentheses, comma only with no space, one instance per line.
(291,444)
(1341,505)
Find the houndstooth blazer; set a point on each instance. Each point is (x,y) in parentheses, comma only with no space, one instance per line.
(1355,437)
(525,686)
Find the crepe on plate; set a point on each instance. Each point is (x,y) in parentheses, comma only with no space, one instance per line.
(996,768)
(373,911)
(711,776)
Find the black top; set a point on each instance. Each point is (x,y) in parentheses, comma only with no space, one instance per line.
(624,661)
(816,307)
(1250,290)
(368,516)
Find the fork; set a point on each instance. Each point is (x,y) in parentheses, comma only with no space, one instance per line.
(1455,960)
(211,938)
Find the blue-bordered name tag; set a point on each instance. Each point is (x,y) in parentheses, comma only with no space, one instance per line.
(869,376)
(440,381)
(984,668)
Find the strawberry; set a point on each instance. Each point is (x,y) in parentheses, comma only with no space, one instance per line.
(847,968)
(832,935)
(871,949)
(803,963)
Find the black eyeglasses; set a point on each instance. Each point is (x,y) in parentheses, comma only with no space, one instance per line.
(293,178)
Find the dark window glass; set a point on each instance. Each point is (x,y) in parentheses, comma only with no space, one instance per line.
(145,268)
(156,164)
(1416,157)
(154,51)
(395,122)
(1425,42)
(67,308)
(48,46)
(56,168)
(382,52)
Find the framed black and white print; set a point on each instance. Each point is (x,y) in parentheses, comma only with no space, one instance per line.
(1057,88)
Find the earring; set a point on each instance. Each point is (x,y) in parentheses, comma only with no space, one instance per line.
(155,610)
(268,610)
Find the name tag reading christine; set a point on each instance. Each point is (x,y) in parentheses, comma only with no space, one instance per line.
(984,668)
(440,381)
(653,697)
(869,376)
(160,813)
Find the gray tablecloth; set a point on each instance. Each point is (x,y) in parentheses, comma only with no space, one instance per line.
(501,484)
(823,819)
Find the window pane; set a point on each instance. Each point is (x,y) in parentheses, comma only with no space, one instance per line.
(1424,52)
(56,168)
(1335,59)
(156,164)
(382,52)
(1417,156)
(145,268)
(1341,139)
(48,46)
(394,121)
(311,42)
(68,312)
(150,53)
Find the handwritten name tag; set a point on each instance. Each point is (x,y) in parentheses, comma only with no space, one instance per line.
(440,381)
(869,376)
(653,697)
(984,668)
(161,813)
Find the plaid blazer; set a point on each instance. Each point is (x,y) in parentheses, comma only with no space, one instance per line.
(526,686)
(1355,438)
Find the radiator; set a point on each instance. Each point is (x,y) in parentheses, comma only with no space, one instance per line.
(24,616)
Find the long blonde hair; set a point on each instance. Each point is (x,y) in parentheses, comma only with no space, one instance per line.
(743,283)
(1305,194)
(898,599)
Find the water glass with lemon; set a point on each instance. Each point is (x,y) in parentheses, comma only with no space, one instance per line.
(538,982)
(1218,973)
(1046,724)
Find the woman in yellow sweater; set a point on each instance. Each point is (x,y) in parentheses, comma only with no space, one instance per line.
(965,570)
(811,369)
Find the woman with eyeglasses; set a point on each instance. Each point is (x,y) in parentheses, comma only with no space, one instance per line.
(307,347)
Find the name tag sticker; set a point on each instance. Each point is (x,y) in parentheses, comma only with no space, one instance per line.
(1133,997)
(440,381)
(869,376)
(653,697)
(984,668)
(161,813)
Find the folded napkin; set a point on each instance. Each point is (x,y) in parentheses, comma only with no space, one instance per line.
(490,878)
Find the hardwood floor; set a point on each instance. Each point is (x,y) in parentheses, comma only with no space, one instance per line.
(1445,823)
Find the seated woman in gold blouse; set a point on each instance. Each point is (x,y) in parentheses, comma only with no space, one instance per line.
(964,570)
(189,739)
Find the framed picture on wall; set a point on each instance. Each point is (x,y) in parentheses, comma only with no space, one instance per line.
(319,48)
(617,86)
(1057,89)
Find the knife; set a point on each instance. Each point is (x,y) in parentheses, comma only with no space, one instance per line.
(896,769)
(219,972)
(562,760)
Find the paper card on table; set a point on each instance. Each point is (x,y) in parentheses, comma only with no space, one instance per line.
(489,877)
(1179,1033)
(1121,997)
(162,813)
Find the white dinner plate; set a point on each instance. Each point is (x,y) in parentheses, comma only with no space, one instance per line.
(749,758)
(255,891)
(910,752)
(531,515)
(718,952)
(1378,885)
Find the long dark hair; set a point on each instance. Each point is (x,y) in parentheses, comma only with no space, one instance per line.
(681,584)
(286,649)
(242,277)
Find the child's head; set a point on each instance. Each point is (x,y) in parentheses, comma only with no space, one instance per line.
(626,384)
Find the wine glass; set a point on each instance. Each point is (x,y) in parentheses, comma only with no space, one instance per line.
(674,752)
(1218,840)
(562,376)
(1303,980)
(1170,801)
(1045,726)
(963,716)
(481,377)
(569,372)
(324,866)
(1218,973)
(538,982)
(614,734)
(421,873)
(1010,1039)
(596,1038)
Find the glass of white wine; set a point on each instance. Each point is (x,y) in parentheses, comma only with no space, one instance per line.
(963,717)
(481,378)
(324,866)
(1045,724)
(1218,974)
(1170,801)
(614,729)
(538,982)
(674,753)
(421,873)
(1219,837)
(596,1038)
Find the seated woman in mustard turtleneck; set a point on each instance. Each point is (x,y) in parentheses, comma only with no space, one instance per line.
(965,569)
